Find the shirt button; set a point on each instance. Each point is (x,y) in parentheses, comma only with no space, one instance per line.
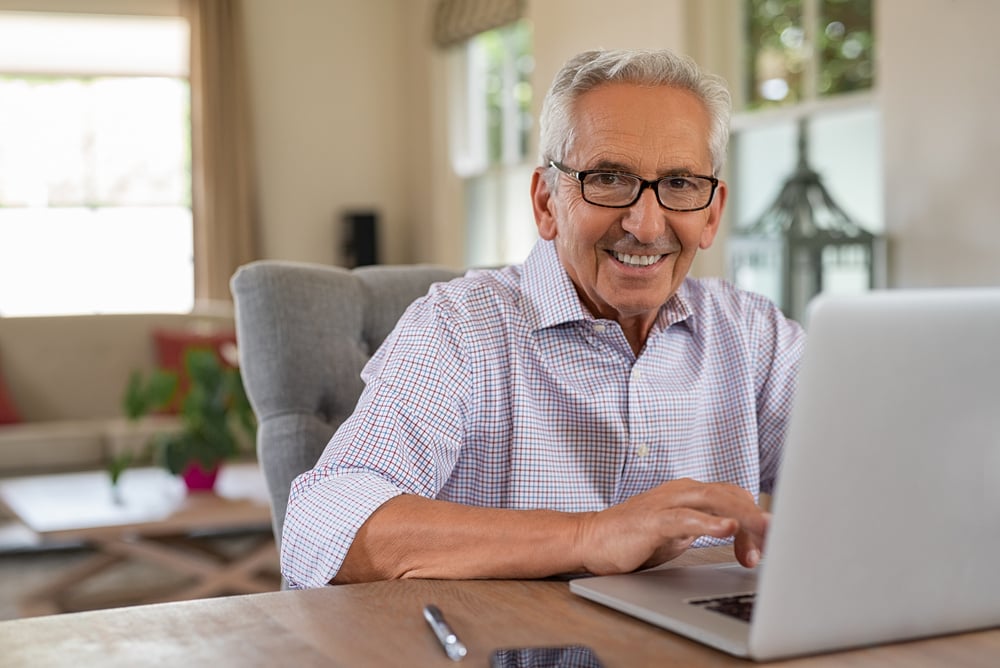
(642,450)
(636,374)
(599,327)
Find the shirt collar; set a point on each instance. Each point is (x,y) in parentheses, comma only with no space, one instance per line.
(677,310)
(551,298)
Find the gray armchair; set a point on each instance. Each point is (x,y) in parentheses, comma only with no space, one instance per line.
(305,331)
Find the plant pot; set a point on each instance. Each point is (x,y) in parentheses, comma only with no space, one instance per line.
(199,479)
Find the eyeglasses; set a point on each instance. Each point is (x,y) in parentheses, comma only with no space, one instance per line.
(619,190)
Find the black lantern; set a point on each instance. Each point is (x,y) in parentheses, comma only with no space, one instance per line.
(803,244)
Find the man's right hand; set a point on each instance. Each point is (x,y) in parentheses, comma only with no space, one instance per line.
(658,525)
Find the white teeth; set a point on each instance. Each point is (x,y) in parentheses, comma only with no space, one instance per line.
(637,260)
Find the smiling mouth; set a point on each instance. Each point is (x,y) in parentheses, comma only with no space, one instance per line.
(636,260)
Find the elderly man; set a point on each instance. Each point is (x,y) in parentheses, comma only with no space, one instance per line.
(592,410)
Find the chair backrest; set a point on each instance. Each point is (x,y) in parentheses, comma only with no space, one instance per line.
(304,333)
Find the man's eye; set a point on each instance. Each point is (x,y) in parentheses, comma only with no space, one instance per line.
(679,183)
(608,180)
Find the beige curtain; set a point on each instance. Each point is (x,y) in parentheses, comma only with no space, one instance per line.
(458,20)
(222,155)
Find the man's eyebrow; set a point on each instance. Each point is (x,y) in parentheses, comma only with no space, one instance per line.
(612,166)
(680,171)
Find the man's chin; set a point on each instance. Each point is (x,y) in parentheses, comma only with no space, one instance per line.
(628,305)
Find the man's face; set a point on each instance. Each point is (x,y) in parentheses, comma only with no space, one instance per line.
(650,132)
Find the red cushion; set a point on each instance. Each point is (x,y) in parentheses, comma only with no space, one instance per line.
(8,411)
(171,344)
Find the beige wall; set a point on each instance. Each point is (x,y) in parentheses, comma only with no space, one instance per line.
(434,194)
(940,95)
(329,103)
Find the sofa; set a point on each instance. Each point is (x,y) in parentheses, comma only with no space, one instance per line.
(62,380)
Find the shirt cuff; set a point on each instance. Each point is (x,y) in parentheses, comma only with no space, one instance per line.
(325,512)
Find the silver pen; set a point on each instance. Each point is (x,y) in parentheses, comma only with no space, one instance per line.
(453,647)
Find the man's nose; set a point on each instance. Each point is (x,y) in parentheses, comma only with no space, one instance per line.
(645,220)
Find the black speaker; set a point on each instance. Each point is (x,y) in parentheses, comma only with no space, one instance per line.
(361,245)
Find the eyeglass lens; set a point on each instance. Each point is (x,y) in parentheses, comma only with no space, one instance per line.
(674,192)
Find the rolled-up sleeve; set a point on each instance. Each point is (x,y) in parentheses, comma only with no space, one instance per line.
(403,438)
(324,514)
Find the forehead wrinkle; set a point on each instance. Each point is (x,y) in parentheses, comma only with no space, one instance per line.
(614,137)
(623,151)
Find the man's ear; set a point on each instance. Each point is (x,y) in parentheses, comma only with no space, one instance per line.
(714,212)
(542,203)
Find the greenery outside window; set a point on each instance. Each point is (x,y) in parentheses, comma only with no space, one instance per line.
(801,50)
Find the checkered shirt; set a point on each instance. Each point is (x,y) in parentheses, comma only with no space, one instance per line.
(501,389)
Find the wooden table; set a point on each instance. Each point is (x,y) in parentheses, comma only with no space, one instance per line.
(153,520)
(380,624)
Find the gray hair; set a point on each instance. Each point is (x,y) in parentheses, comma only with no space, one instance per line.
(591,69)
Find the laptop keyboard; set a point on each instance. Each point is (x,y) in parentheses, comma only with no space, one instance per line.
(739,606)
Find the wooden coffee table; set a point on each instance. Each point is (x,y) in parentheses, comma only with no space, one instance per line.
(155,520)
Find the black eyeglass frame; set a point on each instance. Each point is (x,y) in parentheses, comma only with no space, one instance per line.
(654,185)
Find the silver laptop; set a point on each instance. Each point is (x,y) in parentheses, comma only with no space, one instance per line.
(887,509)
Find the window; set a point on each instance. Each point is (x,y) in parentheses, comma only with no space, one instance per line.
(806,49)
(95,165)
(811,61)
(491,142)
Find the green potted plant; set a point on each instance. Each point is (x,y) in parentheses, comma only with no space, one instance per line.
(213,411)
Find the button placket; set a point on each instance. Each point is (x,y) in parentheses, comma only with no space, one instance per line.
(637,386)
